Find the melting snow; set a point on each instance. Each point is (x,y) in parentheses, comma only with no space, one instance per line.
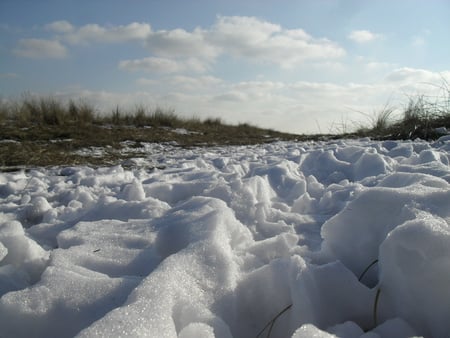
(217,242)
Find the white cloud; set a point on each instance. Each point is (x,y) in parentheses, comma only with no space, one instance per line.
(163,65)
(409,75)
(60,27)
(95,33)
(328,66)
(151,64)
(262,41)
(249,38)
(180,43)
(363,36)
(142,81)
(242,30)
(40,49)
(190,83)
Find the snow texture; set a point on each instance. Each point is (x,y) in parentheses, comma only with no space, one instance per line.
(349,238)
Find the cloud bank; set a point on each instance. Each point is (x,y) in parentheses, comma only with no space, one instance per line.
(250,39)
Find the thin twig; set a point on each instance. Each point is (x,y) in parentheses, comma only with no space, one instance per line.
(367,269)
(272,322)
(375,308)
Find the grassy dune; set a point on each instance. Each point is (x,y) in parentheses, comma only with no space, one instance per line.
(44,132)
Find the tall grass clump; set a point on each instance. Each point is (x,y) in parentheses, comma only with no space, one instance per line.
(81,113)
(4,111)
(48,111)
(379,122)
(165,118)
(422,117)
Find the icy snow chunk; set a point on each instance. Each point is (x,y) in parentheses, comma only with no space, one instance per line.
(133,191)
(305,204)
(428,155)
(347,330)
(35,212)
(174,192)
(3,251)
(394,328)
(283,179)
(330,294)
(314,188)
(323,165)
(262,294)
(401,180)
(183,225)
(311,331)
(414,264)
(320,295)
(354,235)
(275,247)
(24,261)
(112,247)
(370,164)
(110,208)
(64,302)
(220,162)
(401,150)
(202,268)
(197,330)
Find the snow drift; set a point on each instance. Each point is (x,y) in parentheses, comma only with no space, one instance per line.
(349,238)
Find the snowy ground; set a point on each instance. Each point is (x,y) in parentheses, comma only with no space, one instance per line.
(218,241)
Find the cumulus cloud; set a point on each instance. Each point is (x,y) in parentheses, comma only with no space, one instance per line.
(40,49)
(204,82)
(261,41)
(180,43)
(95,33)
(151,64)
(248,38)
(60,27)
(363,36)
(163,65)
(409,75)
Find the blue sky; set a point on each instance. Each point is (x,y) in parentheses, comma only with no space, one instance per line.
(297,66)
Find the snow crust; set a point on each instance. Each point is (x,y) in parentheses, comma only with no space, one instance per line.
(349,238)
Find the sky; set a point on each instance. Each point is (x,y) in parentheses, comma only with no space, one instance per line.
(294,66)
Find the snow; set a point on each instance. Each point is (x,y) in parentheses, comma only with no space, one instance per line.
(345,238)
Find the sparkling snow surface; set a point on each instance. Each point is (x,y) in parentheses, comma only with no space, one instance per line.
(217,242)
